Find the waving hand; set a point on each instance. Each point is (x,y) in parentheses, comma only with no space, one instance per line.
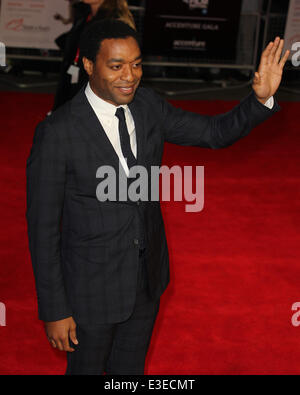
(268,77)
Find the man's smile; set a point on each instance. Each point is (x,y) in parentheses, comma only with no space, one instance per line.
(127,90)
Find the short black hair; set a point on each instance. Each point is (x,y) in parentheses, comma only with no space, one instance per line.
(97,31)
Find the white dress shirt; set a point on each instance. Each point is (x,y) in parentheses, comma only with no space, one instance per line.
(106,114)
(110,123)
(270,103)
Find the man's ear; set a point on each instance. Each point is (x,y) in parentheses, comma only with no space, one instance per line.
(88,65)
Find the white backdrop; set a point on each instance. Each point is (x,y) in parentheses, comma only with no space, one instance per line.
(31,23)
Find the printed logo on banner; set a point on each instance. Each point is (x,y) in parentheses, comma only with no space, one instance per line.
(15,24)
(31,23)
(193,4)
(18,25)
(184,27)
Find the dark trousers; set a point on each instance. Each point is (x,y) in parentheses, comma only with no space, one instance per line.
(117,348)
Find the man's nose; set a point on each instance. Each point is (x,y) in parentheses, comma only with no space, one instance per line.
(128,74)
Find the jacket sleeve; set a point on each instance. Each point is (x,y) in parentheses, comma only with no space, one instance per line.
(219,131)
(46,175)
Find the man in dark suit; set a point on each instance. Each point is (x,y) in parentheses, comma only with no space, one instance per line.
(101,266)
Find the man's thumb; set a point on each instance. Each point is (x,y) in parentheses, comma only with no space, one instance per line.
(73,336)
(256,78)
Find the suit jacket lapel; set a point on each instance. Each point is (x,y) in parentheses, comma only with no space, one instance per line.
(89,127)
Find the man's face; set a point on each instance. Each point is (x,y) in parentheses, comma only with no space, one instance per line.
(117,71)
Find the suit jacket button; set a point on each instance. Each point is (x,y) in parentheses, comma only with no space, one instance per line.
(136,242)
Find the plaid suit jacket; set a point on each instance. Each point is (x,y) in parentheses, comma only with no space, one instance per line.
(84,252)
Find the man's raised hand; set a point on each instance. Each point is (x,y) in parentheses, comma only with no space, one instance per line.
(268,77)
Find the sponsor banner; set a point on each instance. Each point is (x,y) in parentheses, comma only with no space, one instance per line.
(292,27)
(31,23)
(206,28)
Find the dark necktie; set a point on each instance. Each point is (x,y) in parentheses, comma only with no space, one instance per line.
(131,161)
(125,139)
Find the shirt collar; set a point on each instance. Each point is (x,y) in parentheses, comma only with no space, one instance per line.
(99,104)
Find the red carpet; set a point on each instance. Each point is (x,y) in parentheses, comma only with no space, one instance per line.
(235,269)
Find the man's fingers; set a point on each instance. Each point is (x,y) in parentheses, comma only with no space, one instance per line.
(256,78)
(279,51)
(284,58)
(66,345)
(59,345)
(267,51)
(73,336)
(58,333)
(52,342)
(274,50)
(272,54)
(265,55)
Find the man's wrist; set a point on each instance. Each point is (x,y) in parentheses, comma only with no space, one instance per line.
(268,102)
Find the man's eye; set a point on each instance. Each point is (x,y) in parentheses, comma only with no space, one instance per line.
(136,65)
(116,67)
